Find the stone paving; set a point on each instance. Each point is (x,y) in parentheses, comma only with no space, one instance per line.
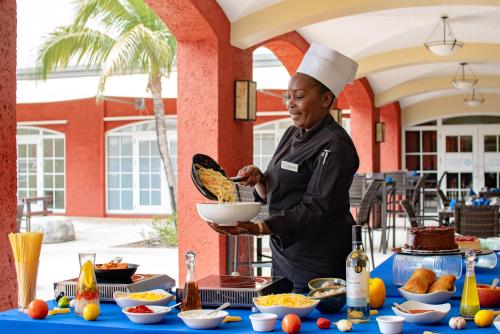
(107,237)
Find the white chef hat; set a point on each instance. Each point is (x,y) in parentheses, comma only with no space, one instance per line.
(329,67)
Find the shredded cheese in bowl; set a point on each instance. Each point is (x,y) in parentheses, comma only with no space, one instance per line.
(284,299)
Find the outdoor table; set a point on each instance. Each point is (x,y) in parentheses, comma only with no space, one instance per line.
(113,321)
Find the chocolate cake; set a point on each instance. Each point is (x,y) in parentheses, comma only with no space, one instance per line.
(431,238)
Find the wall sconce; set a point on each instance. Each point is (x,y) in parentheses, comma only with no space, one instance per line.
(245,100)
(337,115)
(379,132)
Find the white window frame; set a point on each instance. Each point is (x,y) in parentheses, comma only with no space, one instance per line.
(37,139)
(164,207)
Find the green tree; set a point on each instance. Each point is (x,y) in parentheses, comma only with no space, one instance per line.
(120,37)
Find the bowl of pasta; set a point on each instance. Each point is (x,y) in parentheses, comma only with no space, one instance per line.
(227,214)
(285,303)
(211,180)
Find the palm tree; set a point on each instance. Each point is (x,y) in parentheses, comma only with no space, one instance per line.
(121,37)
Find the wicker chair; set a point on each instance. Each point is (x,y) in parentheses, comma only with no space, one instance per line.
(363,217)
(410,213)
(479,221)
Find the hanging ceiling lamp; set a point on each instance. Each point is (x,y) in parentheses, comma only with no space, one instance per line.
(474,99)
(448,45)
(461,81)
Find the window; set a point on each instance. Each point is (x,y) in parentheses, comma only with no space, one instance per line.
(41,165)
(265,140)
(136,181)
(421,153)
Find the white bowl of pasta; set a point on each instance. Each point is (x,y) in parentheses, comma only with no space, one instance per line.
(285,303)
(227,214)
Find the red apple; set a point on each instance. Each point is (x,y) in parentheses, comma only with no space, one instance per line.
(488,297)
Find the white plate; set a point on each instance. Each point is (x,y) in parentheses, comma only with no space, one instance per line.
(438,312)
(437,297)
(497,323)
(147,318)
(195,318)
(227,214)
(121,298)
(281,311)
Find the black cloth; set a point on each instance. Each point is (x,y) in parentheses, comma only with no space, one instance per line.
(308,182)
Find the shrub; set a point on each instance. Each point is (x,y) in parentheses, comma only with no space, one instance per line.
(165,229)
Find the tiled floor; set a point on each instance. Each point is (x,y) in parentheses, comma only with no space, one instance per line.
(102,236)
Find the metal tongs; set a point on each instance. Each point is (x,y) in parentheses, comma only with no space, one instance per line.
(117,260)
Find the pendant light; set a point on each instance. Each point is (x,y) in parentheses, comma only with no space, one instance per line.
(448,45)
(461,81)
(474,99)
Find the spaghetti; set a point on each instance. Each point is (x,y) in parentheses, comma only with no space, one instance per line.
(217,184)
(26,249)
(284,299)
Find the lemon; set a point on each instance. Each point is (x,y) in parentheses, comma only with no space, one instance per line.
(484,318)
(90,312)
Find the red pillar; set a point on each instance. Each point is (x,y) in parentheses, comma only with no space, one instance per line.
(207,67)
(364,115)
(390,149)
(8,177)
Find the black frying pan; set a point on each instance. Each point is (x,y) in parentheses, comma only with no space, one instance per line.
(116,275)
(207,162)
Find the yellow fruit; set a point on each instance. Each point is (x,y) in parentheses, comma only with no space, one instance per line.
(377,293)
(90,312)
(484,318)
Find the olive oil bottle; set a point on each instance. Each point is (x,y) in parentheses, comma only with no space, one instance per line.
(357,280)
(469,305)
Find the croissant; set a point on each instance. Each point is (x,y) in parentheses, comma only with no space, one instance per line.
(443,283)
(420,281)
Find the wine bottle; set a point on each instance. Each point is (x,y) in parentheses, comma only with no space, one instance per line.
(357,280)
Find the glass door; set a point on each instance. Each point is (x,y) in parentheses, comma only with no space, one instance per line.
(460,160)
(489,157)
(28,167)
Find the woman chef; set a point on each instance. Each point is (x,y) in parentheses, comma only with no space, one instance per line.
(306,184)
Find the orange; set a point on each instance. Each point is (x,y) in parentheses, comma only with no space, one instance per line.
(377,293)
(484,318)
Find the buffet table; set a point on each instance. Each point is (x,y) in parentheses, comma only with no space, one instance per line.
(113,321)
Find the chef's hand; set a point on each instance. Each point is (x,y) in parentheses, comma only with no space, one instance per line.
(241,228)
(252,175)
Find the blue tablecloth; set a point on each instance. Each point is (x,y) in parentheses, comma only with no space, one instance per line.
(113,321)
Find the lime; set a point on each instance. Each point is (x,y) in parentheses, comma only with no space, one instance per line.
(90,312)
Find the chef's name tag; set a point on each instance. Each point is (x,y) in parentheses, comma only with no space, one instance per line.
(289,166)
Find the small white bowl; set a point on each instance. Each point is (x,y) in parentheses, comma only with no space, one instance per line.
(390,324)
(281,311)
(263,322)
(438,312)
(121,298)
(227,214)
(196,319)
(437,297)
(147,318)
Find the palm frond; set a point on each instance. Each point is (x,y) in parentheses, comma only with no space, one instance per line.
(64,45)
(110,14)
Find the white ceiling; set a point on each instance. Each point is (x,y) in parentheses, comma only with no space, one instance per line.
(371,33)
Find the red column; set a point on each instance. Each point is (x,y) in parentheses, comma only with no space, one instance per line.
(364,115)
(8,177)
(390,149)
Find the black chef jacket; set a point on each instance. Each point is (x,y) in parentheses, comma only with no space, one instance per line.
(308,182)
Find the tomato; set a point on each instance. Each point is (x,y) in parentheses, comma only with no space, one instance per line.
(291,324)
(38,309)
(323,323)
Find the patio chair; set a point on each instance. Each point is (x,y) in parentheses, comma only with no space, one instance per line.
(479,221)
(363,217)
(410,213)
(357,190)
(443,200)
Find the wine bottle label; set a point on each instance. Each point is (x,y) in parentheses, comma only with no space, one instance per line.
(357,286)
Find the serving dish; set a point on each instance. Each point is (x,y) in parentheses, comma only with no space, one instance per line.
(116,275)
(281,311)
(437,297)
(263,322)
(488,297)
(332,300)
(197,319)
(207,162)
(496,322)
(227,214)
(325,282)
(123,300)
(436,313)
(147,318)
